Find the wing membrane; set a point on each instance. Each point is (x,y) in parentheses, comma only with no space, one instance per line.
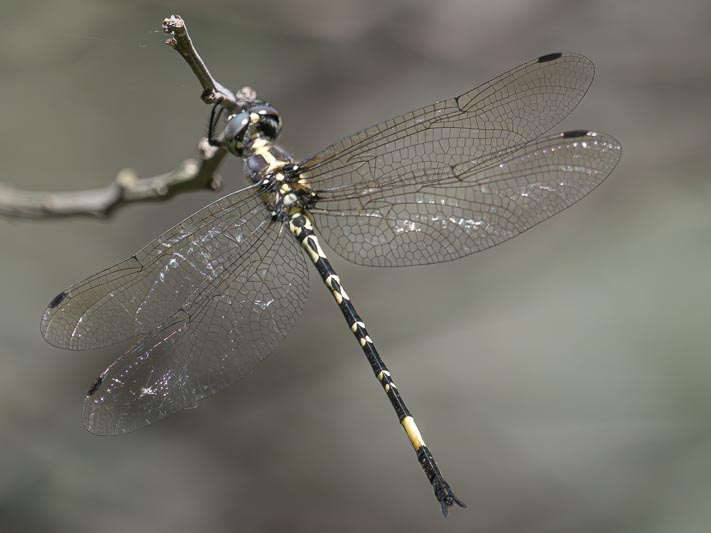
(494,118)
(215,340)
(139,294)
(445,213)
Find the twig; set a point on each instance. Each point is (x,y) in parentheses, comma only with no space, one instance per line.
(213,91)
(190,175)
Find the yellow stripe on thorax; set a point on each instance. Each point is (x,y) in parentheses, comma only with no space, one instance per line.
(262,147)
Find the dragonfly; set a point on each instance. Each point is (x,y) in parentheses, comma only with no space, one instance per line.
(208,300)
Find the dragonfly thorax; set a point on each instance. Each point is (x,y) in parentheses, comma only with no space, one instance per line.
(285,193)
(264,159)
(283,187)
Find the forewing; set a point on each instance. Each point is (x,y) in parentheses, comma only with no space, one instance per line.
(451,212)
(142,292)
(215,340)
(490,120)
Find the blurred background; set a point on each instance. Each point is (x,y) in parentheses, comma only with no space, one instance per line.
(561,379)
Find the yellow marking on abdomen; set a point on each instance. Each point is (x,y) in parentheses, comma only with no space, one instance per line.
(340,293)
(296,230)
(355,325)
(315,254)
(413,432)
(382,373)
(365,340)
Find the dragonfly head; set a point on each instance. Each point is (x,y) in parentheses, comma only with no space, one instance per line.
(243,128)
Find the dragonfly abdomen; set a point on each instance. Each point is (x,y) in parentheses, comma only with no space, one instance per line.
(301,227)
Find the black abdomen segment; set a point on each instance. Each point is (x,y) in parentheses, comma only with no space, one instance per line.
(301,227)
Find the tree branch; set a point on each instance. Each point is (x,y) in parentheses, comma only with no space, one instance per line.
(190,175)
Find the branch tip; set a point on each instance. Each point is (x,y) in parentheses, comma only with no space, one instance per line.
(173,23)
(179,39)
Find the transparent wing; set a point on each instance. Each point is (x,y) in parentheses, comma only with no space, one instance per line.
(137,295)
(445,213)
(491,120)
(213,341)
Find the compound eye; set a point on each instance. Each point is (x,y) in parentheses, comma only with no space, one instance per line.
(267,120)
(236,132)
